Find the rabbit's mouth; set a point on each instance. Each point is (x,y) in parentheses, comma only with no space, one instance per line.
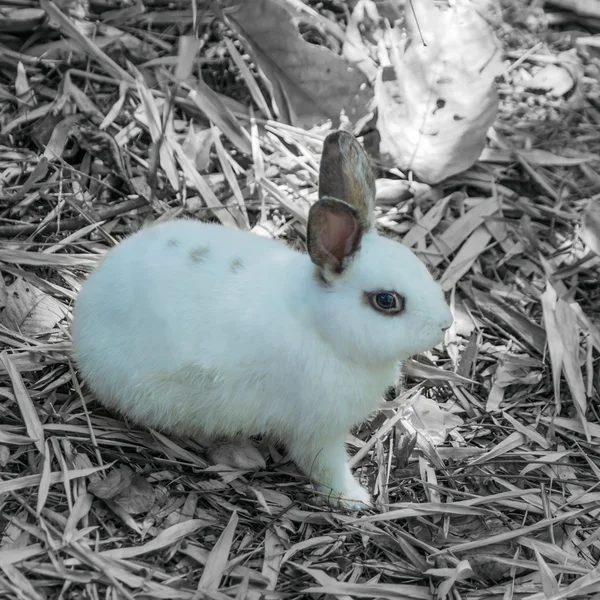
(422,342)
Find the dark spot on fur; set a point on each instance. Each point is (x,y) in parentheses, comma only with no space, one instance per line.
(236,265)
(173,244)
(199,254)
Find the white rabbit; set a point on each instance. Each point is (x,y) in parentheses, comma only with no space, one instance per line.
(193,328)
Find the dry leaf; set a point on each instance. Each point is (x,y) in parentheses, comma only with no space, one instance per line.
(82,100)
(3,293)
(395,191)
(137,498)
(15,19)
(128,490)
(4,455)
(23,90)
(428,222)
(549,583)
(585,8)
(430,419)
(149,114)
(217,559)
(58,137)
(537,156)
(211,104)
(527,431)
(163,540)
(590,231)
(404,449)
(80,509)
(81,42)
(188,48)
(29,310)
(194,179)
(555,345)
(553,79)
(249,80)
(512,369)
(102,146)
(459,230)
(513,441)
(274,550)
(419,370)
(310,83)
(33,425)
(74,8)
(465,258)
(197,146)
(426,121)
(519,324)
(103,37)
(44,486)
(568,327)
(364,24)
(461,572)
(113,484)
(347,589)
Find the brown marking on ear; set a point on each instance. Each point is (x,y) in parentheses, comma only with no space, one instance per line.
(333,235)
(236,265)
(346,173)
(173,244)
(199,254)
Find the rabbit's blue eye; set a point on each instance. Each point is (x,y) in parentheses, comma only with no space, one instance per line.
(385,301)
(389,303)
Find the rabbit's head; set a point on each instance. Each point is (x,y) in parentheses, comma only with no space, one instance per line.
(379,301)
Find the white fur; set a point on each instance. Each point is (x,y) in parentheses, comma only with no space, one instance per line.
(198,347)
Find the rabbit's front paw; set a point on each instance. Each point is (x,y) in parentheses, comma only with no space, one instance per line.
(353,498)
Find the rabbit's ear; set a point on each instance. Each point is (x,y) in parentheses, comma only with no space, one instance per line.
(333,235)
(347,174)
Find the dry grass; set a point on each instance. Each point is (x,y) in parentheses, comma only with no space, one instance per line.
(92,507)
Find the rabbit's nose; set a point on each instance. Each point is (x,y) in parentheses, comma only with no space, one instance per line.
(446,327)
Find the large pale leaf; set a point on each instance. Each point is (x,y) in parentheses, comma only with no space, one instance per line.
(438,99)
(30,310)
(310,83)
(430,419)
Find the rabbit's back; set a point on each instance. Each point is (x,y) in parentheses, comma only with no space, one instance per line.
(177,312)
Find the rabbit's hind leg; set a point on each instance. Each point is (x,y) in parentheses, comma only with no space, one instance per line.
(238,453)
